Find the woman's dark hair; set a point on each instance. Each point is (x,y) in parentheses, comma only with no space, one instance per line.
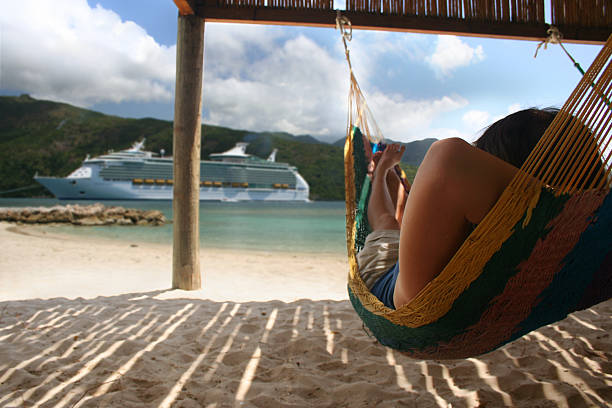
(514,137)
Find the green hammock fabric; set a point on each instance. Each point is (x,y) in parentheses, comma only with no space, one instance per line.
(492,310)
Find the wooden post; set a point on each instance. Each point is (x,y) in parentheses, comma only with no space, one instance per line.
(186,152)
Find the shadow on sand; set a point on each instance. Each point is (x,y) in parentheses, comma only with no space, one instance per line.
(137,350)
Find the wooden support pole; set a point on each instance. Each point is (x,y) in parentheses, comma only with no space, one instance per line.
(186,152)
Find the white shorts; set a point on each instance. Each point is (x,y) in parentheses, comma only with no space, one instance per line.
(380,252)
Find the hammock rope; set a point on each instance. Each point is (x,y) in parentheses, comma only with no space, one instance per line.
(360,116)
(543,251)
(554,37)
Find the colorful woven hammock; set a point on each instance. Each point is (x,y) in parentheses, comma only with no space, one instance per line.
(540,254)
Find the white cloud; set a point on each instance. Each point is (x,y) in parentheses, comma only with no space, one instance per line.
(256,77)
(297,87)
(370,50)
(65,50)
(406,120)
(452,53)
(275,81)
(476,120)
(229,48)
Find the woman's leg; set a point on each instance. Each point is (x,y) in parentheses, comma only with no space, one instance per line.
(455,187)
(400,194)
(386,197)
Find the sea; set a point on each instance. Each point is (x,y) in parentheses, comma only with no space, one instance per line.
(290,227)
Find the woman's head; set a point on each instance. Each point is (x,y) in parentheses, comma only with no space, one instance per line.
(514,137)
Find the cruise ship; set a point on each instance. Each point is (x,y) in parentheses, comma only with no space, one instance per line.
(136,174)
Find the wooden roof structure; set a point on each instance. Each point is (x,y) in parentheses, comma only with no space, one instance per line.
(585,21)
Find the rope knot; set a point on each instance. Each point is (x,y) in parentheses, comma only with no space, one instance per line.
(344,25)
(554,37)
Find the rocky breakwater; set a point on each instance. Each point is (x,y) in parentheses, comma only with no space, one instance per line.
(95,214)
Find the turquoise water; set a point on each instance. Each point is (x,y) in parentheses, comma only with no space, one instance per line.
(270,226)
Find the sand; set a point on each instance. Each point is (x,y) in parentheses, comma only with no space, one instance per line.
(91,323)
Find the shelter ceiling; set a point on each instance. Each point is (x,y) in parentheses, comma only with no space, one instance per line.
(493,18)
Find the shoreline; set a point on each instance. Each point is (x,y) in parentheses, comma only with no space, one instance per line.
(75,266)
(42,231)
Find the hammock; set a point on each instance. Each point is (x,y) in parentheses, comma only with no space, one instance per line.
(540,254)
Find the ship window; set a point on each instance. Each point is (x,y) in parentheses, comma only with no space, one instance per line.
(73,182)
(81,192)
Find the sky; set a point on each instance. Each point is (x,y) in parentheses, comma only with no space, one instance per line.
(118,57)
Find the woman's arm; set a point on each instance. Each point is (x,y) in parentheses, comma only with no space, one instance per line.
(455,187)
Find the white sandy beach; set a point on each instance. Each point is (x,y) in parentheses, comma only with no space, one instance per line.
(93,323)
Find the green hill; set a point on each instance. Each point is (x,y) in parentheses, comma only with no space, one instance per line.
(52,139)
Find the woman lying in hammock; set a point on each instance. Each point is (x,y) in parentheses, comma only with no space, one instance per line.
(415,235)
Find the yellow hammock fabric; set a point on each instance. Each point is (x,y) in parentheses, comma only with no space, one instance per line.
(539,254)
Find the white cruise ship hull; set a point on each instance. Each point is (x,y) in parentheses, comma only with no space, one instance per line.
(91,189)
(135,174)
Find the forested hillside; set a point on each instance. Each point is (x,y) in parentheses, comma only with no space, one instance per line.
(52,139)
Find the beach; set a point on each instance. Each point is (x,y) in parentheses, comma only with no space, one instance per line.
(88,322)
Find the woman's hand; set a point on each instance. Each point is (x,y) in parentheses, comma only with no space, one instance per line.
(390,157)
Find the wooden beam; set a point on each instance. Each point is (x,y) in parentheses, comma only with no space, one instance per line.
(186,7)
(186,153)
(387,22)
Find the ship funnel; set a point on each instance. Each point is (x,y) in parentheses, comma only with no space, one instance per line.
(272,156)
(137,146)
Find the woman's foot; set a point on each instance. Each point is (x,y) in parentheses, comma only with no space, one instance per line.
(398,187)
(388,158)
